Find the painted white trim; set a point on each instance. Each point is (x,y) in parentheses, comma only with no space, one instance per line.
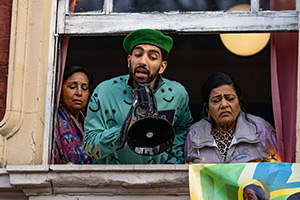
(101,180)
(50,94)
(61,13)
(197,22)
(254,5)
(108,6)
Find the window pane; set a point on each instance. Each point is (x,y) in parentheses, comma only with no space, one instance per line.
(226,5)
(179,5)
(86,5)
(158,5)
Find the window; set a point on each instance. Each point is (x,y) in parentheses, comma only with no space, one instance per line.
(131,6)
(97,28)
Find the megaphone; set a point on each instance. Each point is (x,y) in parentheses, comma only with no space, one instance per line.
(152,133)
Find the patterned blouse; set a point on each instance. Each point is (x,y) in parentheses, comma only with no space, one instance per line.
(68,138)
(223,140)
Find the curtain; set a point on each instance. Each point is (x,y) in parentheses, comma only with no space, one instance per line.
(284,64)
(64,44)
(61,65)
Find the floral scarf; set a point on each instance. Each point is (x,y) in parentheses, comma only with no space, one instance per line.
(68,138)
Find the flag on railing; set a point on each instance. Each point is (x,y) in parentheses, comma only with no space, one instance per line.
(265,180)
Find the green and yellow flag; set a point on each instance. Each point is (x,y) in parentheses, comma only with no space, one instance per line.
(272,180)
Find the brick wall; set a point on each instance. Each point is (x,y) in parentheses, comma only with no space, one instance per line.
(5,22)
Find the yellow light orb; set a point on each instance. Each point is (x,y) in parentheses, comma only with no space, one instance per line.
(244,44)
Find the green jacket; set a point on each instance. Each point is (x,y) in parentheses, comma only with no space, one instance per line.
(108,108)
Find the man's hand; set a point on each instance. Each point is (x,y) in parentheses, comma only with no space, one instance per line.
(133,120)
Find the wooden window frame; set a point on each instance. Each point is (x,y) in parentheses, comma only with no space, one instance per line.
(108,22)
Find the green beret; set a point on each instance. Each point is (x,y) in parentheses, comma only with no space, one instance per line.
(147,36)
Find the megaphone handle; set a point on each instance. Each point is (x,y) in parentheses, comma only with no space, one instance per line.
(123,132)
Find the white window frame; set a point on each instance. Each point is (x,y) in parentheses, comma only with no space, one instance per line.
(108,22)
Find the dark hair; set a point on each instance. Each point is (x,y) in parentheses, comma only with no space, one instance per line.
(216,80)
(295,196)
(72,69)
(259,191)
(164,54)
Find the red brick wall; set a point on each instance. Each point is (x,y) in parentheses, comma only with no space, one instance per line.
(5,22)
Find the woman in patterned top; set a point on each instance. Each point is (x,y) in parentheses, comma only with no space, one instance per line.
(70,118)
(227,134)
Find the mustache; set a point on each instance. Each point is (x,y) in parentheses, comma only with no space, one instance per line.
(141,67)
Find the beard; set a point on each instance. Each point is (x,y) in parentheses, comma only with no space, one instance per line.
(138,80)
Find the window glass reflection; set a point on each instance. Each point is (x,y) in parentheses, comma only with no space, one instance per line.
(159,5)
(180,5)
(86,5)
(226,5)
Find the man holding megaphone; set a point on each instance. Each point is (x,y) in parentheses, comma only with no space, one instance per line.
(141,117)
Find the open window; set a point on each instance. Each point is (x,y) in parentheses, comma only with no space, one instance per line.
(95,35)
(95,30)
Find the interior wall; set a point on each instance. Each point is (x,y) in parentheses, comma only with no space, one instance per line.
(192,59)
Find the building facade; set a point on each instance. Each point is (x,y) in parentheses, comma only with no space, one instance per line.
(32,61)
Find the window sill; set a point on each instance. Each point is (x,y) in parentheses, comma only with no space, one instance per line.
(99,180)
